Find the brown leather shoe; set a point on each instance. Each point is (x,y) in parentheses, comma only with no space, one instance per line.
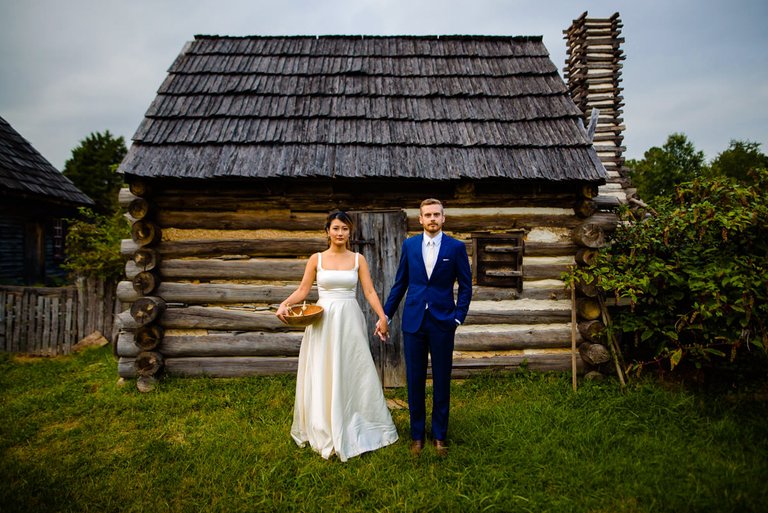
(416,447)
(441,448)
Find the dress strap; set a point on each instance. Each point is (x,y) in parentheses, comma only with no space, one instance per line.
(319,261)
(357,259)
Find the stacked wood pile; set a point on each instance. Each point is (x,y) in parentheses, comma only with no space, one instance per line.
(593,73)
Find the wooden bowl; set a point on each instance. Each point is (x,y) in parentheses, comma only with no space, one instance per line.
(298,318)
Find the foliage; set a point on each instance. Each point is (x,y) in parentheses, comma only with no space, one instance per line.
(519,442)
(92,168)
(93,244)
(696,274)
(662,169)
(738,161)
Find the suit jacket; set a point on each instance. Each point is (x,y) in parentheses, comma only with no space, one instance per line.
(452,265)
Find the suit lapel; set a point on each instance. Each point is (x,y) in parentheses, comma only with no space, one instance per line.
(441,253)
(420,255)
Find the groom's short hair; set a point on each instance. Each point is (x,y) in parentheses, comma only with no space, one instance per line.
(431,201)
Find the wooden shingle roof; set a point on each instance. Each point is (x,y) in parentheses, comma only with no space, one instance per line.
(358,106)
(26,174)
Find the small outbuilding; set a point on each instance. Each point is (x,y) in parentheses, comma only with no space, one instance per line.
(35,200)
(251,141)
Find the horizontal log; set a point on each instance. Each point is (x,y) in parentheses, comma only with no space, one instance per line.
(257,343)
(459,220)
(213,293)
(221,367)
(148,363)
(587,288)
(590,235)
(464,367)
(125,197)
(284,269)
(594,354)
(588,308)
(586,256)
(147,338)
(139,208)
(145,259)
(207,269)
(145,233)
(591,331)
(518,312)
(273,247)
(510,337)
(544,271)
(324,195)
(140,188)
(242,220)
(241,366)
(226,293)
(522,311)
(535,248)
(215,318)
(147,309)
(291,247)
(526,218)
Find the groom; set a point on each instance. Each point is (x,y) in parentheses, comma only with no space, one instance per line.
(430,264)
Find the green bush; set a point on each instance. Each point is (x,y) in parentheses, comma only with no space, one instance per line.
(93,244)
(696,275)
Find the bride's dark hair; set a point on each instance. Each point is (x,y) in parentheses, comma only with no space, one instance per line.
(341,216)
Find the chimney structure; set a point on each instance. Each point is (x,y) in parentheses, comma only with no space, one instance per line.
(593,74)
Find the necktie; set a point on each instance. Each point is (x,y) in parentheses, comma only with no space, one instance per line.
(430,258)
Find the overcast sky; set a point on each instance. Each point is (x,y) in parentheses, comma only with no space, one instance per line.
(73,67)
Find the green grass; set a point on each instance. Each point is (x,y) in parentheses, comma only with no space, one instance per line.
(71,439)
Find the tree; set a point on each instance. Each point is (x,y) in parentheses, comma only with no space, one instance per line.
(93,244)
(92,168)
(661,169)
(738,160)
(695,275)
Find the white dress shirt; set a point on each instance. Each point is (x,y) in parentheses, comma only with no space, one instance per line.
(436,240)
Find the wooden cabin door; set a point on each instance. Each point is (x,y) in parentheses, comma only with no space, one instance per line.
(379,237)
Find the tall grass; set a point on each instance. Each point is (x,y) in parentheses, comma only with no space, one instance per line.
(71,439)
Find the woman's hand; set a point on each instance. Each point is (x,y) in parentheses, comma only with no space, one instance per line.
(282,311)
(382,329)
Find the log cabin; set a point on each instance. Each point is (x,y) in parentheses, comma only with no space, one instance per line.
(251,141)
(35,200)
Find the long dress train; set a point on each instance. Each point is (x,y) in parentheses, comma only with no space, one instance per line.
(340,406)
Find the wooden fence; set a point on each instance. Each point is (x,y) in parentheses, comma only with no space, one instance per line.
(50,320)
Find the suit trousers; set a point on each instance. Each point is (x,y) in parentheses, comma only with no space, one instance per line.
(429,341)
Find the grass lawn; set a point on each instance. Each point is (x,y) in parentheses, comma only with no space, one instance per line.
(71,439)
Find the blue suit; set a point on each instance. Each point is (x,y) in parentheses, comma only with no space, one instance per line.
(429,324)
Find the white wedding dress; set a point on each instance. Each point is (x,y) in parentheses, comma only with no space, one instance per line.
(340,406)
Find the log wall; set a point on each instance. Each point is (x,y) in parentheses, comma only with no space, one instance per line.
(220,258)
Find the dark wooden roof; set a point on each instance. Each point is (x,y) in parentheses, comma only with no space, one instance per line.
(26,174)
(359,106)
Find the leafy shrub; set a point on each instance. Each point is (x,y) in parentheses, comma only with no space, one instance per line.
(696,275)
(93,244)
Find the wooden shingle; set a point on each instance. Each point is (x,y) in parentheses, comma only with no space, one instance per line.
(25,173)
(357,106)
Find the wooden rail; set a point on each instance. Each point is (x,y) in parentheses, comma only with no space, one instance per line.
(50,320)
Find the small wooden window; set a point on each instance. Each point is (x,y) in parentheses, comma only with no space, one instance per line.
(58,240)
(497,259)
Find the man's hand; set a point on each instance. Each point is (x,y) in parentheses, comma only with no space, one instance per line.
(382,330)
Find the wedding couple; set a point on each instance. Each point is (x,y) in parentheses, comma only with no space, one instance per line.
(340,407)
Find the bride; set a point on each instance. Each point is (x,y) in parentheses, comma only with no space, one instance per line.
(340,407)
